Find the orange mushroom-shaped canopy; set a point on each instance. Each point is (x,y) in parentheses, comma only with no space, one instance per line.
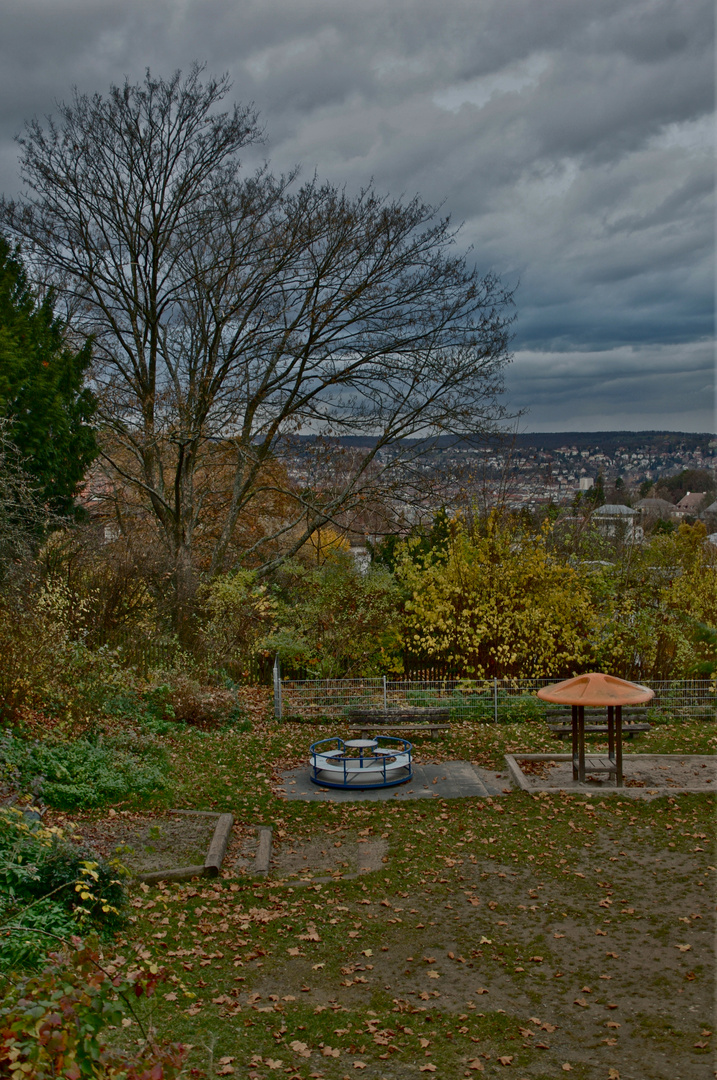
(596,689)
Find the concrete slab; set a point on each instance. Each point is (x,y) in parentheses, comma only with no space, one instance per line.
(444,780)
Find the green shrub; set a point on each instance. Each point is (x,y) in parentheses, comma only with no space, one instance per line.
(49,888)
(468,705)
(53,1024)
(28,934)
(524,708)
(82,773)
(152,708)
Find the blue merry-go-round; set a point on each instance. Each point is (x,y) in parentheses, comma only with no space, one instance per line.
(361,764)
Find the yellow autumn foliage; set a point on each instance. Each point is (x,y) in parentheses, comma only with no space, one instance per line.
(321,545)
(497,604)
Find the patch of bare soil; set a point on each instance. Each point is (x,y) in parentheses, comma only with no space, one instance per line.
(620,981)
(336,857)
(147,842)
(644,774)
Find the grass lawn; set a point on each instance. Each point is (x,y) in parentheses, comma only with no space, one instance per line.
(525,936)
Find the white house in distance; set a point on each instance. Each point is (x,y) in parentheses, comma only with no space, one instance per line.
(617,521)
(689,505)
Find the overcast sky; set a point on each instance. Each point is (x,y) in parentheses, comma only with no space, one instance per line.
(572,138)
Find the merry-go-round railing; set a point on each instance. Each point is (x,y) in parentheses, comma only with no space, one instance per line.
(361,764)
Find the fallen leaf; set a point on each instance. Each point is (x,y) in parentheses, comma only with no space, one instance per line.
(273,1063)
(485,941)
(170,997)
(683,948)
(330,1051)
(225,1070)
(613,1074)
(613,1024)
(567,1067)
(433,975)
(700,1045)
(505,1059)
(300,1048)
(581,1002)
(427,1068)
(359,1064)
(476,1064)
(481,990)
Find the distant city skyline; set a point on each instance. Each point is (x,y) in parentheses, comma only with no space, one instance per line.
(573,140)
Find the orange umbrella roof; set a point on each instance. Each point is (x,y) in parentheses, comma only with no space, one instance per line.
(596,689)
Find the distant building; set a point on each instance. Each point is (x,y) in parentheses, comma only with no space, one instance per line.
(586,483)
(361,558)
(689,505)
(652,510)
(709,514)
(617,521)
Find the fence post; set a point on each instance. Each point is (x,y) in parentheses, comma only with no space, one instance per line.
(495,698)
(385,702)
(277,688)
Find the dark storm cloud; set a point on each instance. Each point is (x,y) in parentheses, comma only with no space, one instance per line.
(571,137)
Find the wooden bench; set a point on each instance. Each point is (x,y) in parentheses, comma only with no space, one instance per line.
(560,723)
(391,721)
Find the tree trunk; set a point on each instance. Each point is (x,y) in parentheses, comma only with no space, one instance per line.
(184,596)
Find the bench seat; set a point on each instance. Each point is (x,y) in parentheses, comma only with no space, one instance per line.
(561,731)
(633,722)
(390,729)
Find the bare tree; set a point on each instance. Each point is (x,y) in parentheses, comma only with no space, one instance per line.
(232,314)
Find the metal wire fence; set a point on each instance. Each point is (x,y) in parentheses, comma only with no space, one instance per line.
(483,700)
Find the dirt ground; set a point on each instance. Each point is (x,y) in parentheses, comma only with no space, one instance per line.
(645,775)
(147,842)
(305,861)
(599,987)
